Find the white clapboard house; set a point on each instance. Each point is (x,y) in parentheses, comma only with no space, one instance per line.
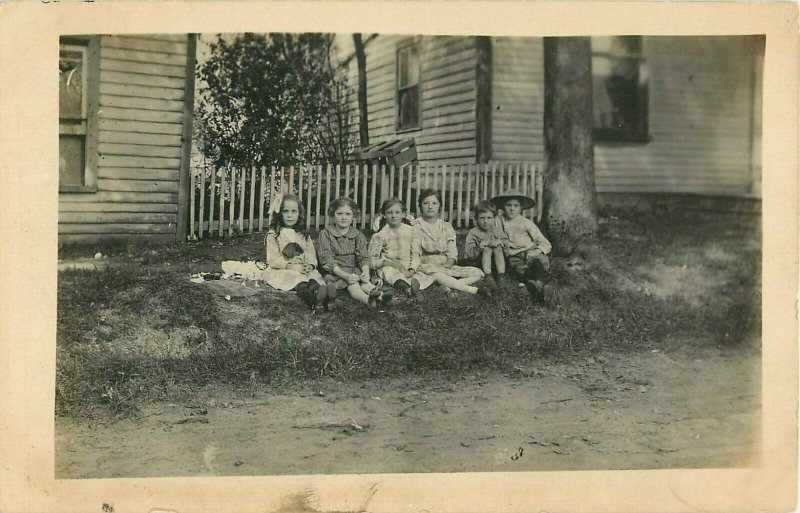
(125,121)
(671,114)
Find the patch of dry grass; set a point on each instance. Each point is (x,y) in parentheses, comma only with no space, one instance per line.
(141,331)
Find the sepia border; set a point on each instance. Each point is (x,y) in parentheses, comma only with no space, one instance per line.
(28,248)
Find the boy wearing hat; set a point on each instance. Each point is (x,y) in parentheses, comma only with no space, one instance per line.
(525,247)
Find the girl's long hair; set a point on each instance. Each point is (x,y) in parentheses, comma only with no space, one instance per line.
(299,226)
(386,205)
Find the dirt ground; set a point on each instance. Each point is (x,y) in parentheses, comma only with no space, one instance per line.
(693,401)
(685,408)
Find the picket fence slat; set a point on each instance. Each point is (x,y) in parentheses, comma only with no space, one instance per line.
(365,169)
(252,199)
(460,186)
(231,200)
(539,191)
(191,207)
(200,217)
(372,197)
(222,180)
(336,185)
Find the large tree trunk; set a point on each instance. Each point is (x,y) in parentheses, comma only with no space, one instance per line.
(363,119)
(570,205)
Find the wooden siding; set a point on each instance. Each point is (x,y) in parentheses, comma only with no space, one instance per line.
(448,89)
(701,101)
(518,99)
(140,129)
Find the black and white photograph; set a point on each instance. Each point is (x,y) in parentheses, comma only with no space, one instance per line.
(289,253)
(382,253)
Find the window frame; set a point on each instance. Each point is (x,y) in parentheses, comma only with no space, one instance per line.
(404,47)
(641,133)
(87,126)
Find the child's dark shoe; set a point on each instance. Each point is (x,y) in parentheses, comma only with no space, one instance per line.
(386,297)
(484,291)
(402,287)
(414,288)
(330,296)
(547,293)
(307,292)
(535,289)
(374,298)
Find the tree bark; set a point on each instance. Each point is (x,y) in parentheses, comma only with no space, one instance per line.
(363,119)
(570,204)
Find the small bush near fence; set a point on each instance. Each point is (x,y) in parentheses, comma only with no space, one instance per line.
(227,201)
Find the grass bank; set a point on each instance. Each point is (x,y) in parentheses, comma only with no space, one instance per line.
(140,331)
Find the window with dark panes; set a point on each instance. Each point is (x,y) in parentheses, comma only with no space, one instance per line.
(78,74)
(72,113)
(619,83)
(408,90)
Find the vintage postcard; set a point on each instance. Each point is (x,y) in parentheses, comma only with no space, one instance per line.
(398,256)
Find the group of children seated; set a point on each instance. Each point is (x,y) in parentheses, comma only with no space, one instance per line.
(406,255)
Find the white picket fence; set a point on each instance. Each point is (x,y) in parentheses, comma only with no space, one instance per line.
(232,200)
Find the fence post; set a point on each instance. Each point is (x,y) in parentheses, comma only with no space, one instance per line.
(347,180)
(291,180)
(391,180)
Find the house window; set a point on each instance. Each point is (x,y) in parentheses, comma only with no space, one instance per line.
(408,90)
(76,166)
(619,83)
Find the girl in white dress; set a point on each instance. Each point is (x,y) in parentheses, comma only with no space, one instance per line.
(291,257)
(394,250)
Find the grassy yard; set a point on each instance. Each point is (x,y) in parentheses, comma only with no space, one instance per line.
(140,331)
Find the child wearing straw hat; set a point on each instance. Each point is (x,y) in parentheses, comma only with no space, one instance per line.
(525,247)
